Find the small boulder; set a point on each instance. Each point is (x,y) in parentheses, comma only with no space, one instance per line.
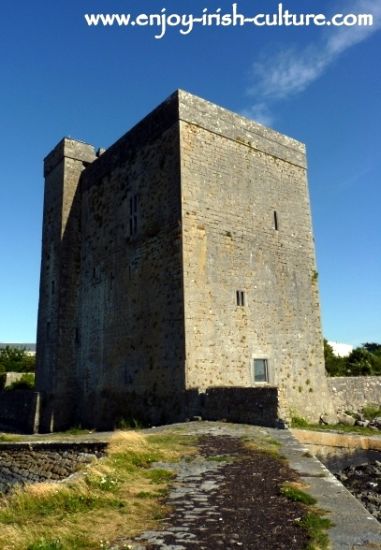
(346,419)
(377,422)
(362,423)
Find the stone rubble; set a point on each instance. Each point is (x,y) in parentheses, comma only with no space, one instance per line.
(22,465)
(364,482)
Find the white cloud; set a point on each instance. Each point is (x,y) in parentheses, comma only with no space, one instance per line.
(260,113)
(290,71)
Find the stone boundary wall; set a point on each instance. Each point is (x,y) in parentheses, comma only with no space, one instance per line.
(352,393)
(20,411)
(243,405)
(9,378)
(22,463)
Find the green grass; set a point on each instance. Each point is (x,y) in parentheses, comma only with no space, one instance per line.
(371,412)
(118,494)
(316,527)
(313,520)
(67,501)
(220,458)
(296,495)
(263,444)
(159,475)
(10,438)
(44,544)
(146,494)
(301,423)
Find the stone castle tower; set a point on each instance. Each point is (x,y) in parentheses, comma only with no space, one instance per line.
(179,260)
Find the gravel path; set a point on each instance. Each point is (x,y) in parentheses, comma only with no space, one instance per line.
(228,497)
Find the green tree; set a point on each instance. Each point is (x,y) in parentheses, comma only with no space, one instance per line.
(373,347)
(335,366)
(16,360)
(360,362)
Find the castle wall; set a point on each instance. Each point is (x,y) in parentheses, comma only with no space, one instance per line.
(144,251)
(353,393)
(60,270)
(20,411)
(130,332)
(235,175)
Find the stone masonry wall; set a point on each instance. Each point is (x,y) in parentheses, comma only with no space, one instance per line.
(130,349)
(352,393)
(55,373)
(20,411)
(22,463)
(235,175)
(144,249)
(248,405)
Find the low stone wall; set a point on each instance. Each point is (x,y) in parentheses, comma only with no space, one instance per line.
(248,405)
(352,393)
(22,463)
(19,411)
(9,378)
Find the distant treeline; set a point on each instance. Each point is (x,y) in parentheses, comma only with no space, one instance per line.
(362,361)
(16,360)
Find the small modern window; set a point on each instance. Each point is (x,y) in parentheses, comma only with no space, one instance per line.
(261,370)
(240,297)
(133,215)
(276,222)
(53,287)
(77,336)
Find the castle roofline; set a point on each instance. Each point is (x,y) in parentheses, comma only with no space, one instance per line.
(255,127)
(186,107)
(69,148)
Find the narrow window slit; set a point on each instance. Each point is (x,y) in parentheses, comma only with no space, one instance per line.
(240,298)
(276,223)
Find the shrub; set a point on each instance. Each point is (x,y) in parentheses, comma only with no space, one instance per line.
(26,382)
(16,360)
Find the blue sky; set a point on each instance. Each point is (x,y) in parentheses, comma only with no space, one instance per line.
(322,86)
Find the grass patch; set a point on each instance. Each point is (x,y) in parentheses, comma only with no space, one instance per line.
(10,438)
(371,412)
(76,430)
(220,458)
(159,475)
(341,428)
(316,526)
(313,520)
(264,444)
(116,495)
(146,494)
(295,494)
(299,422)
(44,544)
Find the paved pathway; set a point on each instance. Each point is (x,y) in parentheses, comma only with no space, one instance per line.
(203,508)
(200,501)
(228,497)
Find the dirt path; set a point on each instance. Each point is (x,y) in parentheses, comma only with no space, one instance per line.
(228,497)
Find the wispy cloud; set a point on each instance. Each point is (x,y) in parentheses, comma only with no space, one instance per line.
(259,112)
(291,71)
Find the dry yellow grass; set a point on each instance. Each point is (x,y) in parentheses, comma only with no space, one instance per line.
(127,441)
(112,496)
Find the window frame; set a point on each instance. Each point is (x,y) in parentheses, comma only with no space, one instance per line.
(266,370)
(240,296)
